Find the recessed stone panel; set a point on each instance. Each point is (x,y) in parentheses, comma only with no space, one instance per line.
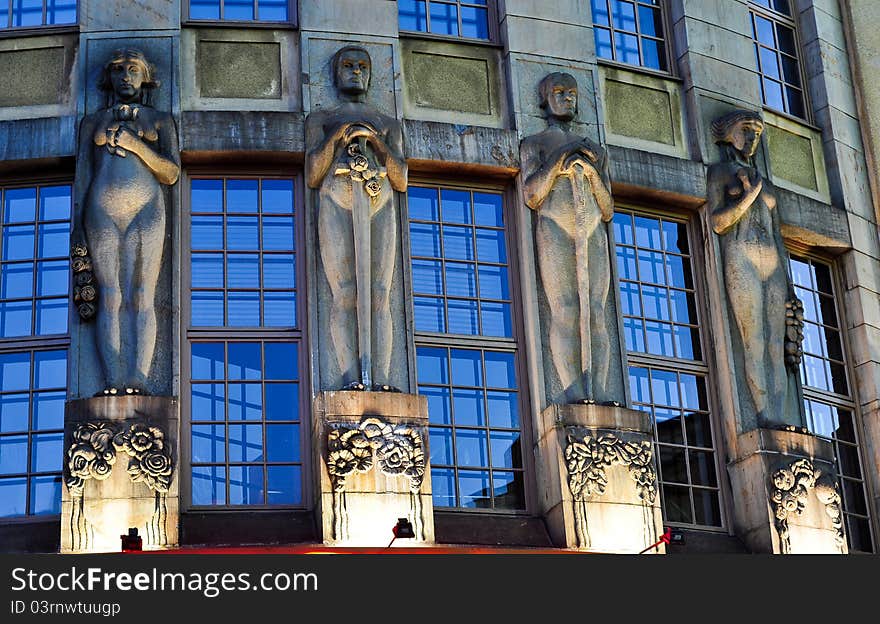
(32,77)
(238,69)
(639,112)
(791,157)
(449,83)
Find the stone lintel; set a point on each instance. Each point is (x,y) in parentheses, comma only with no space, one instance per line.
(560,416)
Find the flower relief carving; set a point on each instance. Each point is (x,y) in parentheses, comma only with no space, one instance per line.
(790,494)
(588,457)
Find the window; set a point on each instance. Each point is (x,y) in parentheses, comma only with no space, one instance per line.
(630,32)
(667,371)
(34,286)
(776,56)
(27,13)
(457,18)
(240,10)
(828,402)
(465,346)
(244,336)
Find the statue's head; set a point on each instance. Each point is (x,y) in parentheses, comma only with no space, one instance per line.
(128,77)
(351,70)
(559,96)
(741,129)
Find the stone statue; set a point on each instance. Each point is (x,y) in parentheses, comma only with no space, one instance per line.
(743,212)
(127,151)
(566,183)
(354,157)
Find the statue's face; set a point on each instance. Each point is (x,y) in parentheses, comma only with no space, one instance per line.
(127,77)
(353,72)
(562,100)
(745,136)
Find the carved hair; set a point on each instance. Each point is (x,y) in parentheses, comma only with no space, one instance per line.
(340,52)
(120,56)
(722,126)
(551,79)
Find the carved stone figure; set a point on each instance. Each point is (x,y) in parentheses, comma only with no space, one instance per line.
(355,159)
(790,495)
(767,314)
(566,183)
(127,152)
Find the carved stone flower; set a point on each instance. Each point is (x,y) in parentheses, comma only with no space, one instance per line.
(88,293)
(396,456)
(100,469)
(375,430)
(83,278)
(154,468)
(783,479)
(373,188)
(341,463)
(80,264)
(359,163)
(86,310)
(140,439)
(79,250)
(80,456)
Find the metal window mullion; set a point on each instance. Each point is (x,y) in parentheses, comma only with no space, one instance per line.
(611,31)
(428,29)
(222,16)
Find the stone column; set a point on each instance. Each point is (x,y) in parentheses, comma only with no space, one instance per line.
(599,489)
(372,461)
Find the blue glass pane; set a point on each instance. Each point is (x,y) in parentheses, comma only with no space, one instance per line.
(412,15)
(238,10)
(675,237)
(462,317)
(439,404)
(241,195)
(602,38)
(493,282)
(432,365)
(17,280)
(27,12)
(659,337)
(764,31)
(45,495)
(15,319)
(648,233)
(282,401)
(272,11)
(455,206)
(623,15)
(496,319)
(429,315)
(242,233)
(245,443)
(13,494)
(444,18)
(472,447)
(18,242)
(650,22)
(488,211)
(474,488)
(207,270)
(664,385)
(277,194)
(467,368)
(4,23)
(246,485)
(491,246)
(53,278)
(279,309)
(651,267)
(208,485)
(13,455)
(653,54)
(626,263)
(630,300)
(245,401)
(683,307)
(51,317)
(639,385)
(207,195)
(281,360)
(468,408)
(424,240)
(285,485)
(207,232)
(279,271)
(208,444)
(427,277)
(474,23)
(441,446)
(655,301)
(14,413)
(50,369)
(687,345)
(61,12)
(500,370)
(243,271)
(599,9)
(769,62)
(678,272)
(207,309)
(422,203)
(207,360)
(458,242)
(443,485)
(19,205)
(503,409)
(54,240)
(506,451)
(773,94)
(208,402)
(461,281)
(47,452)
(55,202)
(623,230)
(282,443)
(278,234)
(691,392)
(244,360)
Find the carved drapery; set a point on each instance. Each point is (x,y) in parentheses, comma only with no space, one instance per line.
(395,450)
(790,494)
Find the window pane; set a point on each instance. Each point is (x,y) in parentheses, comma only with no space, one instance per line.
(13,496)
(599,9)
(238,9)
(208,485)
(14,412)
(412,15)
(444,18)
(474,22)
(285,485)
(45,495)
(272,11)
(603,43)
(246,485)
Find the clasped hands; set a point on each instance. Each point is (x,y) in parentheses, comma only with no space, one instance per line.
(748,180)
(120,139)
(579,153)
(351,131)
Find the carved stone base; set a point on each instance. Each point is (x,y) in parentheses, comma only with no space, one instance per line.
(120,471)
(789,501)
(373,467)
(599,485)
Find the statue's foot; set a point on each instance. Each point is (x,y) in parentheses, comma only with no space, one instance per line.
(585,401)
(612,403)
(385,388)
(134,390)
(109,391)
(354,386)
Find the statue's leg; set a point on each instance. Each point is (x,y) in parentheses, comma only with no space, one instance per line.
(745,292)
(336,244)
(776,292)
(602,318)
(384,244)
(105,243)
(558,279)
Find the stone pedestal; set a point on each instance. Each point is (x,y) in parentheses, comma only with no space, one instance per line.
(786,491)
(373,467)
(598,481)
(120,471)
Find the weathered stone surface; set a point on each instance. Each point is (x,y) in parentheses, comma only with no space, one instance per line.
(32,77)
(232,69)
(461,147)
(32,139)
(791,157)
(245,131)
(813,223)
(639,112)
(349,16)
(116,15)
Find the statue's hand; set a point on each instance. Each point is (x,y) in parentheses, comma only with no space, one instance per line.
(750,180)
(587,150)
(128,140)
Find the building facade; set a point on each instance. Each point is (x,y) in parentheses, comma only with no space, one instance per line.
(545,274)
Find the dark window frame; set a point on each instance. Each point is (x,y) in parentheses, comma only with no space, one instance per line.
(666,40)
(292,20)
(43,28)
(492,14)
